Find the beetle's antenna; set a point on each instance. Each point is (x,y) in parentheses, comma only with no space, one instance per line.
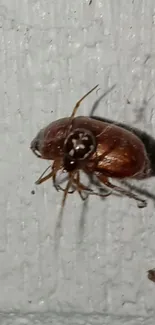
(76,108)
(80,101)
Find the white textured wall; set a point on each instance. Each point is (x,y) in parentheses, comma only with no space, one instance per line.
(51,53)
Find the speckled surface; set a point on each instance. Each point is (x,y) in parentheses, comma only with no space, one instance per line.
(51,53)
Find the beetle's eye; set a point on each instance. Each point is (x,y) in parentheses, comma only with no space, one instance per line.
(79,144)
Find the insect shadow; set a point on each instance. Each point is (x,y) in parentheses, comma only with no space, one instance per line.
(149,143)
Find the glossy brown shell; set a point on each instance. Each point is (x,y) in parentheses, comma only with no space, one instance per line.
(119,153)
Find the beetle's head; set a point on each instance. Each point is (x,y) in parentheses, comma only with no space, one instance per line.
(36,144)
(49,141)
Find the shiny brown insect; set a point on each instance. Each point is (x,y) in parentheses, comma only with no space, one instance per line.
(95,147)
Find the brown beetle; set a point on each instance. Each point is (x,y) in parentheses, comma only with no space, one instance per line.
(95,147)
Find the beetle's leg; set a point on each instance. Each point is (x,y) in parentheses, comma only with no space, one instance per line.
(59,187)
(57,165)
(82,188)
(42,179)
(79,101)
(103,179)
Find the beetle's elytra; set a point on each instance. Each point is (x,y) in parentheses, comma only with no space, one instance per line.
(95,147)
